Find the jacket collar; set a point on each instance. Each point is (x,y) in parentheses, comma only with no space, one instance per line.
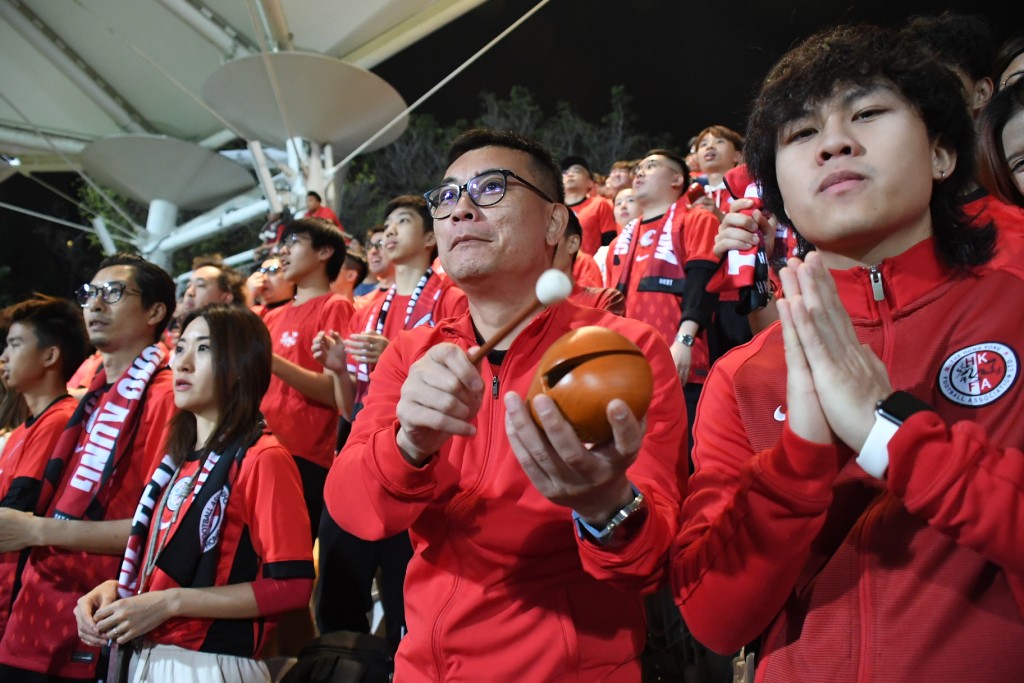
(906,281)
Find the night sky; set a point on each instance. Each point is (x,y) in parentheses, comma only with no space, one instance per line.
(685,64)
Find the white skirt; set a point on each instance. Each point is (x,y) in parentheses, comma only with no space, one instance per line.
(172,664)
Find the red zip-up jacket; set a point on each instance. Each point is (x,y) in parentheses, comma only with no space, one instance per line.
(500,587)
(849,578)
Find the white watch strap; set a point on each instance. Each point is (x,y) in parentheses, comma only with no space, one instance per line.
(874,455)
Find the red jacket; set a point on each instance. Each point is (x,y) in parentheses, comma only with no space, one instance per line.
(499,587)
(917,578)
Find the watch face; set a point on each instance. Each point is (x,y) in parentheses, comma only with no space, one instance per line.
(901,405)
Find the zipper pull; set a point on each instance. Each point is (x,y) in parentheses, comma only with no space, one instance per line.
(876,284)
(494,387)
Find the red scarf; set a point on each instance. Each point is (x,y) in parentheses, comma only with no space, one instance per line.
(664,272)
(110,418)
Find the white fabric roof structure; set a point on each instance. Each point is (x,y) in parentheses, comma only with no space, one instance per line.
(79,71)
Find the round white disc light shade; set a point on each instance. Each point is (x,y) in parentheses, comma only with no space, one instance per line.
(323,99)
(148,167)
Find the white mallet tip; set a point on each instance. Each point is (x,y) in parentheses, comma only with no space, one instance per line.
(552,286)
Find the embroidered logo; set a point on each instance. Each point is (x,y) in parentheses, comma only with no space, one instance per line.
(779,415)
(289,338)
(178,494)
(979,374)
(647,239)
(211,519)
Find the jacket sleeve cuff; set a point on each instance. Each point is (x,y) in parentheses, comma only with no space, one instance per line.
(802,470)
(396,474)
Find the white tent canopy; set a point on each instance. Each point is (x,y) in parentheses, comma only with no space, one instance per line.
(79,71)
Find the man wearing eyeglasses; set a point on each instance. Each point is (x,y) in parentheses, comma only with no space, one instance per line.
(268,288)
(382,273)
(531,549)
(95,478)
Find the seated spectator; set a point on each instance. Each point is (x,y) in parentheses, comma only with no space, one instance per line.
(593,210)
(315,208)
(198,591)
(502,581)
(718,150)
(45,343)
(268,288)
(95,477)
(13,410)
(619,177)
(353,271)
(965,44)
(584,292)
(1009,63)
(1002,145)
(212,282)
(825,508)
(381,271)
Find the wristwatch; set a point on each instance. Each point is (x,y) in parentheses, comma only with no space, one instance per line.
(890,413)
(630,515)
(684,339)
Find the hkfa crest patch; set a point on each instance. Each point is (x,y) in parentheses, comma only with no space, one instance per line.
(979,374)
(212,518)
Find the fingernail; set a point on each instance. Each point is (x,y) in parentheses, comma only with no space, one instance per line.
(543,405)
(619,410)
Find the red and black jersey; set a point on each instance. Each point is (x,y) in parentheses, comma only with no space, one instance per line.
(24,458)
(41,633)
(264,531)
(304,426)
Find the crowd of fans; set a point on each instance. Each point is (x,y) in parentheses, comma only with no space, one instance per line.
(828,475)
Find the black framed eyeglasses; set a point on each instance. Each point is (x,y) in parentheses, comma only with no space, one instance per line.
(270,270)
(486,189)
(378,245)
(108,292)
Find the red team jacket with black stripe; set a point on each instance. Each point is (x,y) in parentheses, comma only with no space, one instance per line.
(918,577)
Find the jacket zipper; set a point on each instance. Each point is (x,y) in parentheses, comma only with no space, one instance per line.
(871,515)
(457,507)
(877,290)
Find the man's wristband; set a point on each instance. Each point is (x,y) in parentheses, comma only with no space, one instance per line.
(890,413)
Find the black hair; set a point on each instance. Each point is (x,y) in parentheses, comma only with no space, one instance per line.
(322,233)
(311,193)
(419,206)
(863,55)
(549,174)
(242,353)
(676,159)
(963,41)
(1009,51)
(993,168)
(55,322)
(228,279)
(152,280)
(353,262)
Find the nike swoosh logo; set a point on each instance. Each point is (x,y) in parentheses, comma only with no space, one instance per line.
(779,415)
(642,258)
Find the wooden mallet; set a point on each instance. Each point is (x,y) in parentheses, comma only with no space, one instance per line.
(552,286)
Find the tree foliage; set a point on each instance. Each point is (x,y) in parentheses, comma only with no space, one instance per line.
(416,161)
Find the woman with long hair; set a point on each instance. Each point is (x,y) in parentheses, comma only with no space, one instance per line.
(1001,148)
(220,542)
